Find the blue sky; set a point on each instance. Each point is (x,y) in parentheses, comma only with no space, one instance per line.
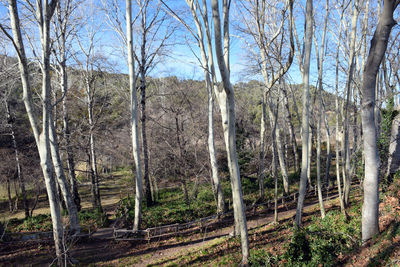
(182,63)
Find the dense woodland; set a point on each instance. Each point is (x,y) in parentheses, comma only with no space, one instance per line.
(139,114)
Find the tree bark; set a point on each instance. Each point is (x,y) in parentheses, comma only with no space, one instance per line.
(42,139)
(20,176)
(291,130)
(347,174)
(227,104)
(92,147)
(145,148)
(134,119)
(320,61)
(305,116)
(370,209)
(62,181)
(337,133)
(261,165)
(66,130)
(209,74)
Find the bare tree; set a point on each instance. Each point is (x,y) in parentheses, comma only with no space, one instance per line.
(370,210)
(346,130)
(209,74)
(151,19)
(89,61)
(260,26)
(134,118)
(7,67)
(226,100)
(44,12)
(305,66)
(63,29)
(320,62)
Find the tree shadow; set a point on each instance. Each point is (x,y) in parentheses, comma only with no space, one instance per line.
(384,255)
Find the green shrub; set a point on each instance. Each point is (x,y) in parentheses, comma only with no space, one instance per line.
(41,222)
(170,212)
(324,240)
(93,218)
(259,258)
(299,249)
(205,196)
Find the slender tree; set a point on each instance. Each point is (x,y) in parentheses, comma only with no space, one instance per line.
(379,42)
(64,28)
(134,118)
(305,116)
(320,62)
(209,74)
(44,12)
(226,100)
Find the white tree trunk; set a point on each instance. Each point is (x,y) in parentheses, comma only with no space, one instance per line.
(134,120)
(276,139)
(209,78)
(227,105)
(62,181)
(320,60)
(347,174)
(337,133)
(42,139)
(370,209)
(261,166)
(305,117)
(92,147)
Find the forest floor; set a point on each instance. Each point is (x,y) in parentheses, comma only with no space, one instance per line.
(212,248)
(102,250)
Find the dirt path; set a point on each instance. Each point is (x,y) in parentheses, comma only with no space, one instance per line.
(161,254)
(102,250)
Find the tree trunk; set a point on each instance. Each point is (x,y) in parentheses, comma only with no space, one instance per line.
(42,139)
(227,104)
(10,201)
(320,61)
(347,180)
(320,198)
(67,134)
(62,181)
(370,214)
(337,133)
(21,179)
(92,149)
(273,111)
(328,149)
(261,165)
(211,149)
(134,120)
(310,144)
(305,117)
(291,130)
(394,149)
(281,157)
(145,148)
(209,74)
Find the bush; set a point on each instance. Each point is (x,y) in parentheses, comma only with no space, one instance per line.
(323,240)
(41,222)
(261,257)
(298,250)
(93,218)
(170,212)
